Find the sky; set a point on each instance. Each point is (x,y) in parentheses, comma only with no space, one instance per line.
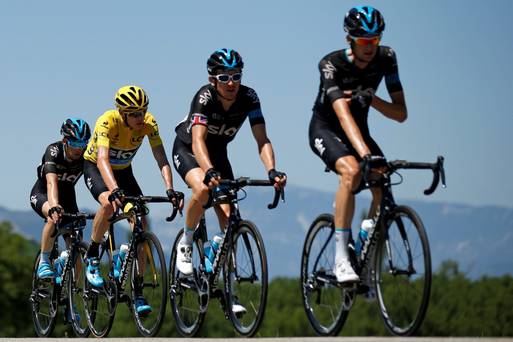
(67,59)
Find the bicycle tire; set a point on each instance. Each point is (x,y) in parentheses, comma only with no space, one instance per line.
(246,278)
(189,318)
(326,305)
(100,303)
(76,292)
(43,292)
(398,288)
(154,277)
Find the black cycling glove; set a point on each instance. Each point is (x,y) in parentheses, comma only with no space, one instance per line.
(174,196)
(209,175)
(116,194)
(273,174)
(55,209)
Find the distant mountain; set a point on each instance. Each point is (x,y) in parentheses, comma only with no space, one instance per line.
(478,238)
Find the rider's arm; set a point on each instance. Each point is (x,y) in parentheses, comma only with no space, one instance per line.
(160,156)
(105,168)
(52,189)
(199,146)
(341,108)
(396,110)
(265,148)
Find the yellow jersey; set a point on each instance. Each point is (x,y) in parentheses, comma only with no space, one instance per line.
(123,142)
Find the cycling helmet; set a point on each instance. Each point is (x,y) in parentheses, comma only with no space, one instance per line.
(76,131)
(224,59)
(364,21)
(131,98)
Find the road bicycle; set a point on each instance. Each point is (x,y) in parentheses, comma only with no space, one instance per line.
(66,288)
(241,259)
(142,273)
(395,261)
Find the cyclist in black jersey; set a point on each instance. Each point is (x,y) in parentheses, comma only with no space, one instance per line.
(217,112)
(54,191)
(338,131)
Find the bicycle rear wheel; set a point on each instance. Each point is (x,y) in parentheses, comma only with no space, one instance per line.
(246,279)
(44,303)
(100,302)
(149,280)
(184,292)
(403,272)
(76,292)
(326,305)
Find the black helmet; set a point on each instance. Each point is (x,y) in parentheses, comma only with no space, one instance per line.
(364,21)
(76,131)
(224,59)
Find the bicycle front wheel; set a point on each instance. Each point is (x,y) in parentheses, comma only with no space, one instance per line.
(246,279)
(100,302)
(326,305)
(149,285)
(76,292)
(43,300)
(187,300)
(403,272)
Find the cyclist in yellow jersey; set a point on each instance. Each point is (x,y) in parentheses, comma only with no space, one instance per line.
(117,136)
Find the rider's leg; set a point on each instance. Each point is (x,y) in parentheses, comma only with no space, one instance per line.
(47,241)
(223,213)
(199,198)
(348,171)
(377,195)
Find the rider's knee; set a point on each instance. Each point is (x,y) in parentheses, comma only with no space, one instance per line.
(349,175)
(200,194)
(106,209)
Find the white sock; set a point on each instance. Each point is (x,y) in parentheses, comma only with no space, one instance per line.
(341,244)
(187,237)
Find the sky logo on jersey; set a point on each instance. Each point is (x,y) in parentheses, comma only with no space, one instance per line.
(33,200)
(328,70)
(177,161)
(205,97)
(121,157)
(65,177)
(318,145)
(213,129)
(253,95)
(54,150)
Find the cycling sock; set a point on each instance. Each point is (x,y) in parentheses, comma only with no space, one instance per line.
(188,234)
(94,250)
(45,257)
(341,244)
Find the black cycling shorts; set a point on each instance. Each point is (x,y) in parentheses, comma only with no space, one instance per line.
(331,145)
(184,160)
(39,195)
(124,177)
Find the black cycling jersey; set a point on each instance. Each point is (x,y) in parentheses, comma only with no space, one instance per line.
(338,73)
(207,110)
(54,161)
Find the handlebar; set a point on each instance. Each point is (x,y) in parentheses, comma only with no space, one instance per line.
(139,202)
(437,168)
(78,222)
(233,185)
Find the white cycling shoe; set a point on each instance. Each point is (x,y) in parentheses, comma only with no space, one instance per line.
(184,258)
(345,273)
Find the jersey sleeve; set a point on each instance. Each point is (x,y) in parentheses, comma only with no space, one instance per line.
(50,160)
(254,109)
(103,130)
(328,72)
(392,80)
(200,107)
(152,130)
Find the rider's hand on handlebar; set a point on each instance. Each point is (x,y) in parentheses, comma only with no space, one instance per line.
(55,213)
(212,178)
(279,179)
(116,198)
(176,197)
(376,164)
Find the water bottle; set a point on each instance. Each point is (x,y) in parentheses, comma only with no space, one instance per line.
(366,230)
(59,265)
(119,260)
(211,248)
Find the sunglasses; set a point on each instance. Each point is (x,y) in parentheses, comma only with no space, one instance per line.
(225,78)
(136,115)
(366,41)
(76,144)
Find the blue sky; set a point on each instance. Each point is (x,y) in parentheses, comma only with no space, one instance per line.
(63,58)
